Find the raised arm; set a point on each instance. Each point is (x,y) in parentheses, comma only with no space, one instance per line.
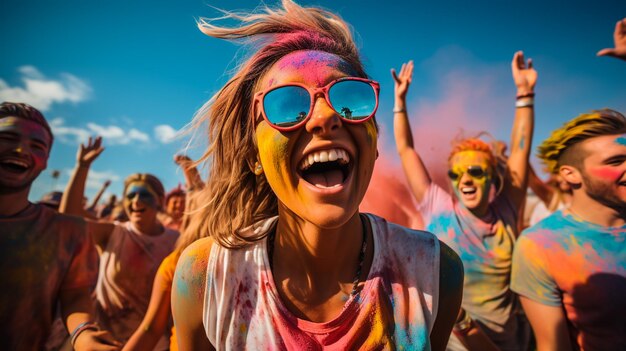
(71,202)
(525,78)
(414,169)
(188,296)
(544,192)
(96,198)
(193,181)
(619,41)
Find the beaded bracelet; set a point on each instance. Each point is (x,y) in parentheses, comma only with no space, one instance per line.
(81,328)
(527,95)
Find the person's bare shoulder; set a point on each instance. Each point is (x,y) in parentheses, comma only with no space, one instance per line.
(190,275)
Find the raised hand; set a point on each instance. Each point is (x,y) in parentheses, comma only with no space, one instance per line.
(89,152)
(524,75)
(619,39)
(182,160)
(403,80)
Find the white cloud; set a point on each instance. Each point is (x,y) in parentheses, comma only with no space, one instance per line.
(96,178)
(68,135)
(42,92)
(135,134)
(165,133)
(112,134)
(107,132)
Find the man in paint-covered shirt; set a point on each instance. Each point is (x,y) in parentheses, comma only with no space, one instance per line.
(45,258)
(570,268)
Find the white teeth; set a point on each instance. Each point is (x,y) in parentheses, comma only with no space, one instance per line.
(332,155)
(325,156)
(468,189)
(17,163)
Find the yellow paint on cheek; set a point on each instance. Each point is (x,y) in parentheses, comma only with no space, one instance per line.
(462,160)
(274,156)
(372,134)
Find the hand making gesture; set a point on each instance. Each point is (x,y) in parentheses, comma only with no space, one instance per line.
(619,39)
(524,75)
(403,80)
(89,152)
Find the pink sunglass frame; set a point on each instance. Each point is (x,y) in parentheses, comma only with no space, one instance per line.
(313,93)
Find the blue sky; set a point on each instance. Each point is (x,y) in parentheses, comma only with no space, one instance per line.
(136,71)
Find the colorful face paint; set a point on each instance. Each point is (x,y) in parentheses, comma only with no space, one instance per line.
(604,171)
(472,191)
(24,148)
(143,192)
(621,140)
(566,262)
(319,194)
(141,203)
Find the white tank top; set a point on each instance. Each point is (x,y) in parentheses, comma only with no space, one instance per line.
(396,308)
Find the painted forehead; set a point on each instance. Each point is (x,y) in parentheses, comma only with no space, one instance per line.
(139,187)
(470,157)
(604,146)
(308,66)
(22,126)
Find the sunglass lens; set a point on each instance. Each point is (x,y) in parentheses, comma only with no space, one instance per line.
(287,106)
(452,175)
(353,99)
(476,171)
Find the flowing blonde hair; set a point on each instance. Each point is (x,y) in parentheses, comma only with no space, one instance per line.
(558,149)
(235,197)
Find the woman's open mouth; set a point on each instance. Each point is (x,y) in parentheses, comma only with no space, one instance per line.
(468,190)
(326,168)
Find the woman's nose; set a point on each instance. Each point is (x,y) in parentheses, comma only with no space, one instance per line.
(324,119)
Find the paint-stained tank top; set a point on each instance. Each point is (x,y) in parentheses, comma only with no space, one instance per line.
(395,310)
(128,265)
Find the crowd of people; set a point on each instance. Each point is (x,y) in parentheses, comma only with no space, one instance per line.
(270,251)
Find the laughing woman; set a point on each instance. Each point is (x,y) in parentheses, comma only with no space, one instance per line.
(480,219)
(130,252)
(290,263)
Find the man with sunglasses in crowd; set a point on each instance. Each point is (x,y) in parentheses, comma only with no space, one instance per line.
(481,231)
(45,258)
(570,268)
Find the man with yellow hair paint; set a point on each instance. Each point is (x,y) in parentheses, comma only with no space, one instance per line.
(570,268)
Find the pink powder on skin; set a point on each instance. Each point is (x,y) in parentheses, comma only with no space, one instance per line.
(318,63)
(606,172)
